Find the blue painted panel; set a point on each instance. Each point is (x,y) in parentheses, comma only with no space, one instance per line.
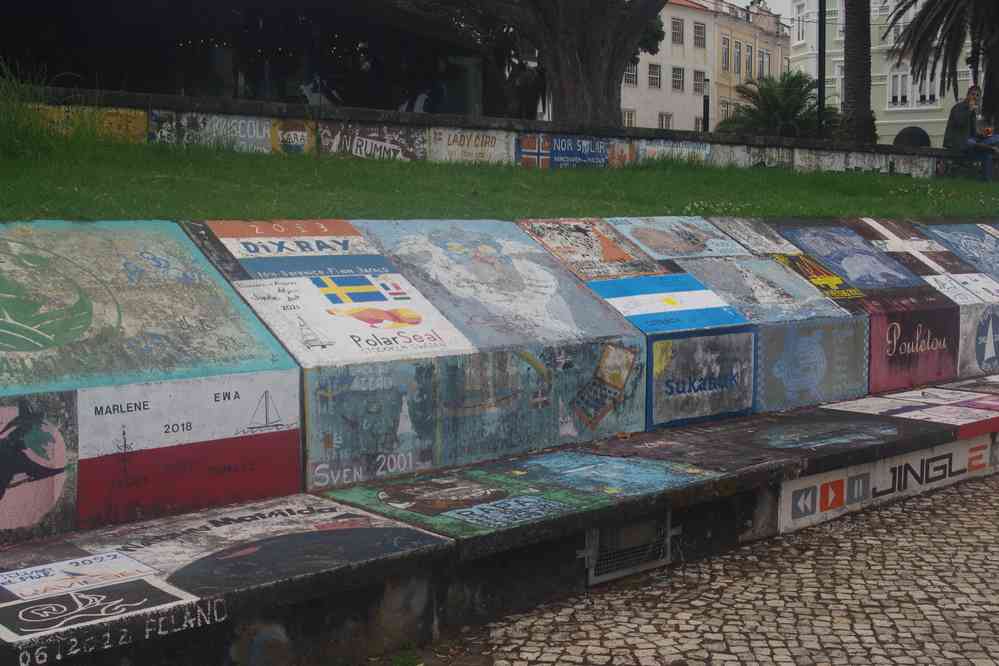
(975,243)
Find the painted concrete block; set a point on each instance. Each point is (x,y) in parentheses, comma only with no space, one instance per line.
(697,375)
(771,156)
(500,496)
(811,362)
(809,159)
(978,352)
(558,151)
(665,149)
(723,155)
(665,238)
(382,142)
(976,244)
(828,283)
(757,236)
(162,127)
(494,282)
(128,346)
(591,248)
(761,289)
(988,385)
(129,125)
(291,136)
(812,500)
(478,146)
(248,134)
(970,413)
(160,579)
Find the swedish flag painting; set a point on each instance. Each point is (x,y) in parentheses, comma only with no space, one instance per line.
(342,290)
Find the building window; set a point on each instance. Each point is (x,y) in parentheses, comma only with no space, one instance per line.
(698,82)
(677,30)
(698,124)
(665,121)
(770,71)
(628,117)
(700,36)
(787,64)
(905,92)
(760,70)
(678,79)
(726,110)
(799,22)
(725,47)
(631,75)
(737,59)
(749,61)
(655,76)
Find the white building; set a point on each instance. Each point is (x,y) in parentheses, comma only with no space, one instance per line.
(898,101)
(703,38)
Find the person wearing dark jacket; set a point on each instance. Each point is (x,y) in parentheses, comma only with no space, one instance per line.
(962,134)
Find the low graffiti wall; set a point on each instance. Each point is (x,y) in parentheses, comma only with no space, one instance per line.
(369,134)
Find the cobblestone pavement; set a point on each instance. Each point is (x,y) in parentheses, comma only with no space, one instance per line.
(912,583)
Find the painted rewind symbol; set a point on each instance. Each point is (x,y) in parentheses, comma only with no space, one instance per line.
(803,502)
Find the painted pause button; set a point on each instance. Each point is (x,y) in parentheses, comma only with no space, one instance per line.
(830,495)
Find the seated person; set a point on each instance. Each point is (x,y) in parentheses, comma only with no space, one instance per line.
(962,134)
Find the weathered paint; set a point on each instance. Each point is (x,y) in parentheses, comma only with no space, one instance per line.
(812,500)
(664,238)
(155,311)
(757,236)
(129,125)
(977,244)
(989,385)
(950,407)
(591,248)
(667,303)
(371,421)
(293,137)
(382,142)
(770,156)
(761,289)
(149,449)
(811,362)
(810,159)
(38,465)
(556,151)
(709,373)
(476,146)
(830,284)
(663,149)
(979,350)
(247,134)
(494,282)
(622,152)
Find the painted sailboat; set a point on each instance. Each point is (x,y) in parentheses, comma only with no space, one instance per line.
(265,417)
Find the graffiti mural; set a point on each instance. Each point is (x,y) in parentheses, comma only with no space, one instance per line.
(380,142)
(977,244)
(242,133)
(494,282)
(820,277)
(811,362)
(761,289)
(699,375)
(664,238)
(478,146)
(552,151)
(127,125)
(38,477)
(156,310)
(847,254)
(667,303)
(293,137)
(663,149)
(591,248)
(756,236)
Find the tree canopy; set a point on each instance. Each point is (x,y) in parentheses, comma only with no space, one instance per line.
(785,106)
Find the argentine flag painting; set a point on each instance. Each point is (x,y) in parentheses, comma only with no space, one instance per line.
(667,303)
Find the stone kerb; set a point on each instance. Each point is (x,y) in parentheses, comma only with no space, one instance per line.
(432,343)
(133,381)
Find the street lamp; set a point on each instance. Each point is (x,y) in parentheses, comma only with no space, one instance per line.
(706,125)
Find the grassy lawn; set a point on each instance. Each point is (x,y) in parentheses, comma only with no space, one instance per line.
(91,180)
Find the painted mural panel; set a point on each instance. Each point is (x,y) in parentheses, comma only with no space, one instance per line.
(812,500)
(160,448)
(371,421)
(591,248)
(755,235)
(665,149)
(128,125)
(977,244)
(979,350)
(494,282)
(830,284)
(162,127)
(988,385)
(811,362)
(479,146)
(622,152)
(248,134)
(699,375)
(155,310)
(382,142)
(850,256)
(38,465)
(667,303)
(292,136)
(554,151)
(763,290)
(664,238)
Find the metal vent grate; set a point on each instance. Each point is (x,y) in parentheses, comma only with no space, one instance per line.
(615,552)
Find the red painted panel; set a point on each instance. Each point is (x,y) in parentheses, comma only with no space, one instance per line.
(913,348)
(138,485)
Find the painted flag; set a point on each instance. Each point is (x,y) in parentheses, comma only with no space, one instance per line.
(664,303)
(355,289)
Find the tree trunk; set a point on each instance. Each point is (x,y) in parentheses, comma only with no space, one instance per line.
(858,118)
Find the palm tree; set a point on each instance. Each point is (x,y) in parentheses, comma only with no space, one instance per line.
(936,39)
(858,118)
(778,107)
